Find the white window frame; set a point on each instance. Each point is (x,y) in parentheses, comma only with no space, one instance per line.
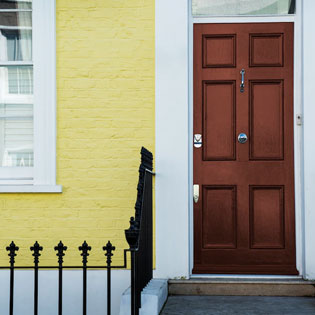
(41,177)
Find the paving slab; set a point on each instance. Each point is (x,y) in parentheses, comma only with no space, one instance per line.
(229,305)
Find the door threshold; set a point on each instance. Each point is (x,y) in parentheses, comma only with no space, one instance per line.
(244,277)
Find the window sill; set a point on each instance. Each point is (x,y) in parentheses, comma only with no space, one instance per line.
(33,189)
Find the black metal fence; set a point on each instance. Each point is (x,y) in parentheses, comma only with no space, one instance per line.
(139,237)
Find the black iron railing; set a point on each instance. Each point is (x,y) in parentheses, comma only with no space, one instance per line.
(139,237)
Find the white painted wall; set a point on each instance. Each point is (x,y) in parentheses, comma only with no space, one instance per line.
(309,132)
(172,237)
(72,292)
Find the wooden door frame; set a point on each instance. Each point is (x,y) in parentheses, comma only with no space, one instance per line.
(298,110)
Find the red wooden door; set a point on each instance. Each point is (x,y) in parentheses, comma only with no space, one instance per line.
(244,220)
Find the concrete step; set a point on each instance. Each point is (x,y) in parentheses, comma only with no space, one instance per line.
(242,287)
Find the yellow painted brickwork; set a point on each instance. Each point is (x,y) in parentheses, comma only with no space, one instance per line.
(105,109)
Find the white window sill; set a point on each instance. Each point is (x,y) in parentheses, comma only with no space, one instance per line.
(57,189)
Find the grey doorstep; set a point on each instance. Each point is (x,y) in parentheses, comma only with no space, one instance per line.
(242,287)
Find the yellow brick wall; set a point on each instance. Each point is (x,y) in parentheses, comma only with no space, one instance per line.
(105,109)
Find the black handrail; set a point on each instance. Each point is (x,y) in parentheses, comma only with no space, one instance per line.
(140,233)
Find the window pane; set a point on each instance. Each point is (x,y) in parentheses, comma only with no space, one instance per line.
(20,79)
(16,116)
(242,7)
(7,4)
(16,19)
(15,81)
(16,134)
(15,32)
(15,45)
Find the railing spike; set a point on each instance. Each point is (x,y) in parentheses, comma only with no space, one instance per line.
(60,248)
(109,248)
(12,249)
(36,248)
(85,248)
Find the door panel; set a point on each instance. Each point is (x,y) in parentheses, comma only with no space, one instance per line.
(218,51)
(266,120)
(219,121)
(266,50)
(219,224)
(266,217)
(244,219)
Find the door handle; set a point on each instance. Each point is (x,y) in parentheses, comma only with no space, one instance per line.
(196,193)
(242,72)
(242,138)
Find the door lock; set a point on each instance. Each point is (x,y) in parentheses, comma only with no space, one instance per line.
(197,140)
(196,193)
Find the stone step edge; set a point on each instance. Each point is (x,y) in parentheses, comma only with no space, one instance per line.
(242,281)
(153,298)
(242,289)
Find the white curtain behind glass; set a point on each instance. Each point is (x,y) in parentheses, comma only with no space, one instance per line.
(16,86)
(19,47)
(240,7)
(25,36)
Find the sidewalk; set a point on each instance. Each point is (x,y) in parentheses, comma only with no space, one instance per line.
(242,305)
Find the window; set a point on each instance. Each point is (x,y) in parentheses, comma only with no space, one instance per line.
(16,77)
(242,7)
(27,96)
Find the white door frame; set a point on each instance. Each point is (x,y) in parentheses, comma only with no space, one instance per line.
(174,164)
(298,154)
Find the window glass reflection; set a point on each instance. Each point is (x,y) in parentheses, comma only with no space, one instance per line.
(243,7)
